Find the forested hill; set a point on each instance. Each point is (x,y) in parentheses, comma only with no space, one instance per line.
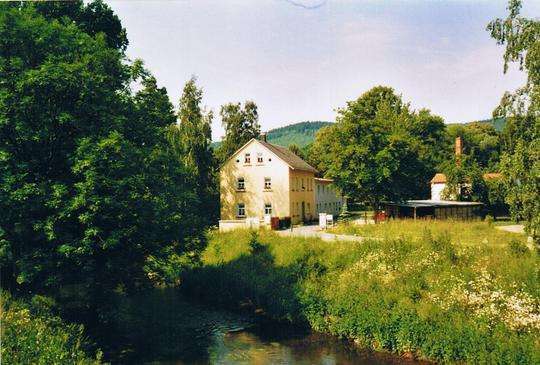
(497,123)
(300,134)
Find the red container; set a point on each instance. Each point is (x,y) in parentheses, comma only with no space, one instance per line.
(379,216)
(274,223)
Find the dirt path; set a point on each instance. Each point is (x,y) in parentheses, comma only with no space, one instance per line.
(514,228)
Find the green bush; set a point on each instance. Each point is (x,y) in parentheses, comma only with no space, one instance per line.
(429,296)
(32,335)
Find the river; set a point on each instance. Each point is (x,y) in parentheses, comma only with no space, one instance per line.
(163,328)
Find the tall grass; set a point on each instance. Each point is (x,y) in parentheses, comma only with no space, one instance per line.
(470,233)
(32,335)
(425,295)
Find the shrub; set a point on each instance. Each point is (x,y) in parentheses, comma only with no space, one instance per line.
(518,248)
(424,294)
(32,335)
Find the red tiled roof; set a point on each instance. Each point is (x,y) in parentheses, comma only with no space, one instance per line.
(439,178)
(492,176)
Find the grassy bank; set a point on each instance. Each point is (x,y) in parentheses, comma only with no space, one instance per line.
(473,233)
(422,294)
(31,334)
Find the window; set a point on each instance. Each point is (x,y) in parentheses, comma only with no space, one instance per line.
(297,209)
(267,183)
(247,158)
(303,187)
(308,208)
(259,157)
(240,184)
(268,209)
(241,210)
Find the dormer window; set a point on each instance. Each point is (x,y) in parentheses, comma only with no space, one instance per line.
(240,184)
(260,158)
(267,183)
(247,158)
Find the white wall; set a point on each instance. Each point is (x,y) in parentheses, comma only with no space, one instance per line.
(327,198)
(437,190)
(255,195)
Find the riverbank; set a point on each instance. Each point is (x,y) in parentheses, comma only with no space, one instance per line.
(425,296)
(31,333)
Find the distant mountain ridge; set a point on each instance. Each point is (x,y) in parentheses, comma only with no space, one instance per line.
(303,133)
(497,123)
(300,134)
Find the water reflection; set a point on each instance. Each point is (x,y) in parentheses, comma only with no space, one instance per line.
(268,343)
(163,328)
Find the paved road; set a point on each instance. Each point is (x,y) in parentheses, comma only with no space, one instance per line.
(314,231)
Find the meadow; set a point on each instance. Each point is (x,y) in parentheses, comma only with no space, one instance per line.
(451,292)
(471,233)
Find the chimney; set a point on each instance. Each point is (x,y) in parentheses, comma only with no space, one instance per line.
(459,146)
(263,136)
(458,149)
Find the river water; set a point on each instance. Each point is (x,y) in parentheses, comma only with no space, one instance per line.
(166,329)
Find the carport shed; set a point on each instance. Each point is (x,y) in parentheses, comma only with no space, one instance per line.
(434,209)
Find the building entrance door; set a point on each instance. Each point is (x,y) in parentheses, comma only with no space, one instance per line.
(303,212)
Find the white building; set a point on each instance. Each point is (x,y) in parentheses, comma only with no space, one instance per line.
(438,184)
(327,197)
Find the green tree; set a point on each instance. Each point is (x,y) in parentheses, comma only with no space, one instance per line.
(465,180)
(192,138)
(521,158)
(296,150)
(241,124)
(89,185)
(93,18)
(379,149)
(481,141)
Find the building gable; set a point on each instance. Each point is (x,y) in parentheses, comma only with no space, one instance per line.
(281,153)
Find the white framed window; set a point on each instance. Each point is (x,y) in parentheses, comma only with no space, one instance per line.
(268,209)
(240,184)
(241,210)
(259,157)
(267,183)
(303,187)
(247,158)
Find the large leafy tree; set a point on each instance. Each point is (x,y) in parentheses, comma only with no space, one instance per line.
(89,186)
(521,158)
(93,18)
(241,124)
(481,141)
(192,137)
(379,149)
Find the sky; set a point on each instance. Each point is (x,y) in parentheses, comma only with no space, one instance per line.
(303,59)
